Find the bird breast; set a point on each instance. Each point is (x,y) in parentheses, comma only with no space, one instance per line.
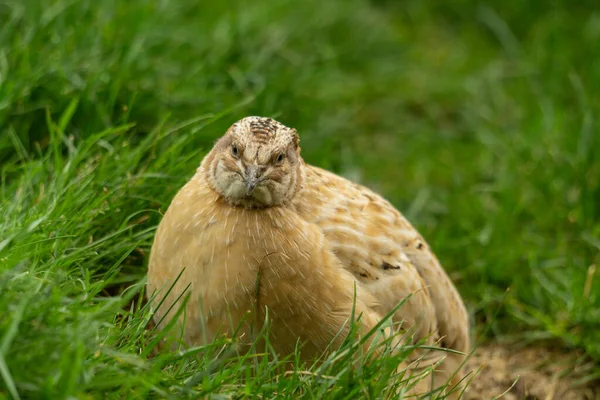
(218,250)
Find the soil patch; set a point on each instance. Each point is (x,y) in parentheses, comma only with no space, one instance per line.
(539,372)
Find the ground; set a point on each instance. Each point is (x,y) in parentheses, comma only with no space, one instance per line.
(513,372)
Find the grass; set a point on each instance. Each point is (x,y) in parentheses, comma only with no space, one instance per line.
(478,120)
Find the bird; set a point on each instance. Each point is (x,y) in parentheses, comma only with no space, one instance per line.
(259,234)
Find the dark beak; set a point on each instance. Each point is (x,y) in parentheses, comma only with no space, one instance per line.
(252,178)
(250,187)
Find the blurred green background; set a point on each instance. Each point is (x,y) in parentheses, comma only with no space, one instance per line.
(477,119)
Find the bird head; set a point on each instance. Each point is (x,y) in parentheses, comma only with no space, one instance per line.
(256,163)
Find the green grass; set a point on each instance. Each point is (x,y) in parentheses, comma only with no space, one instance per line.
(478,120)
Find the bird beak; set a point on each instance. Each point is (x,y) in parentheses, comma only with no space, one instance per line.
(251,179)
(250,185)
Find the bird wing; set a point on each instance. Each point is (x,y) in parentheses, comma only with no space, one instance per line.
(386,255)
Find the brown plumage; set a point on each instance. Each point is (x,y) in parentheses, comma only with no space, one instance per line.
(257,228)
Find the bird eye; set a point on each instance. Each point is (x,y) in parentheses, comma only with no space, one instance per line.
(234,150)
(279,158)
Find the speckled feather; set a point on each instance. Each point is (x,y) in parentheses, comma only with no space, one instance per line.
(298,247)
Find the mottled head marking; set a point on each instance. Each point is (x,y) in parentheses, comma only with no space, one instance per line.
(261,130)
(256,163)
